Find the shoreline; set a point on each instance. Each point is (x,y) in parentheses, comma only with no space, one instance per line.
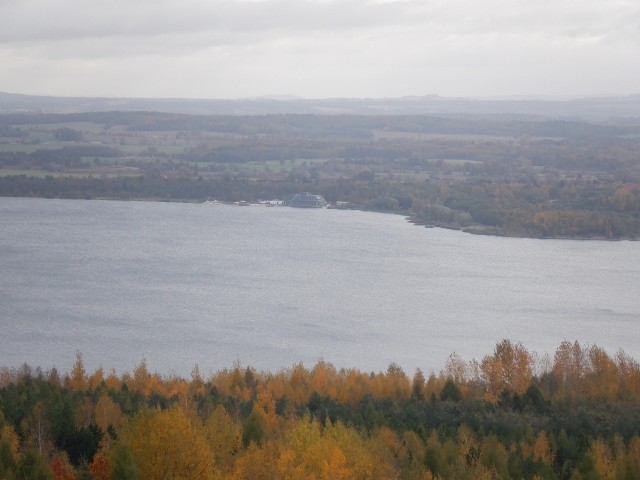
(476,229)
(496,232)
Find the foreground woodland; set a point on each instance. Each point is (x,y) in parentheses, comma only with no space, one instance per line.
(511,415)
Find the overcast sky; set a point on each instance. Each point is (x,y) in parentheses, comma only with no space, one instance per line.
(319,48)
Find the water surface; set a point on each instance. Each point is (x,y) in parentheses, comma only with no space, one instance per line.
(179,284)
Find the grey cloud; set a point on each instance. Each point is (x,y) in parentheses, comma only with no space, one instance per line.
(313,47)
(230,21)
(60,19)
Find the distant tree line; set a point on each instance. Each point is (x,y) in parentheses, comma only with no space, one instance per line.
(569,210)
(68,134)
(56,159)
(327,126)
(523,177)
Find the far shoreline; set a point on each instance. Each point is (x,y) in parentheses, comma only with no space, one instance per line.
(476,229)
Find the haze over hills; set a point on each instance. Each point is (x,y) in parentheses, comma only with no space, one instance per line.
(596,109)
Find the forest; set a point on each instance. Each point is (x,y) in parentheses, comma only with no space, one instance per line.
(513,414)
(523,176)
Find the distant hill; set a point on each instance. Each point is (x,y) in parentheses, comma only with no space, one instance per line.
(600,109)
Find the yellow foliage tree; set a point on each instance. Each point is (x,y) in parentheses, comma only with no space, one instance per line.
(267,403)
(167,445)
(84,415)
(107,412)
(353,387)
(603,375)
(455,368)
(361,452)
(334,451)
(94,381)
(259,462)
(604,460)
(324,379)
(388,449)
(233,383)
(541,449)
(629,371)
(633,454)
(224,436)
(112,382)
(569,369)
(468,446)
(510,366)
(334,465)
(415,447)
(299,381)
(494,456)
(147,383)
(9,448)
(78,378)
(287,466)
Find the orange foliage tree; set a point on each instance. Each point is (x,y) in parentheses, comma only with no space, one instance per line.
(510,366)
(99,467)
(61,469)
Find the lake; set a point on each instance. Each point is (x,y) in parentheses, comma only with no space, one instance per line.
(178,284)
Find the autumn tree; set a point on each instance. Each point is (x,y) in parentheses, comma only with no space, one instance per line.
(112,382)
(569,368)
(602,376)
(434,456)
(255,427)
(188,391)
(85,413)
(99,467)
(143,381)
(122,464)
(510,367)
(455,368)
(331,452)
(494,456)
(541,450)
(38,429)
(107,413)
(61,469)
(8,449)
(629,371)
(238,382)
(32,466)
(166,444)
(604,459)
(388,449)
(259,462)
(95,379)
(224,437)
(632,459)
(323,379)
(78,378)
